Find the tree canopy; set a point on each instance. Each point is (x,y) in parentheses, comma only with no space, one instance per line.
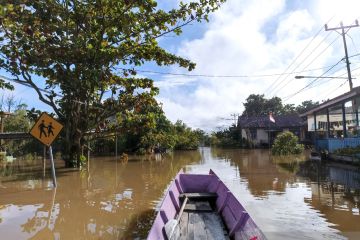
(258,105)
(287,143)
(80,56)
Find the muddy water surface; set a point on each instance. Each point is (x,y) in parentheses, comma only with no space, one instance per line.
(289,198)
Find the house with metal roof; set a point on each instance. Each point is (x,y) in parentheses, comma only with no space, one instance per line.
(261,131)
(334,124)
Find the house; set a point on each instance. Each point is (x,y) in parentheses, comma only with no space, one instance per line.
(261,131)
(334,124)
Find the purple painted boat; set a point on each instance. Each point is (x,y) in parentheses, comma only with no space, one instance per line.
(200,206)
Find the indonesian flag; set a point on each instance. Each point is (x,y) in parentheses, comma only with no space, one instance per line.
(271,118)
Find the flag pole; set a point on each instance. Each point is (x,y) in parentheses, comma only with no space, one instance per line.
(271,119)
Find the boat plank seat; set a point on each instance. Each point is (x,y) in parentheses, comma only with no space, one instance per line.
(198,195)
(202,225)
(198,206)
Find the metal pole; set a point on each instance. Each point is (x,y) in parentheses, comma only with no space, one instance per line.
(344,120)
(328,122)
(342,27)
(52,166)
(346,56)
(315,130)
(44,161)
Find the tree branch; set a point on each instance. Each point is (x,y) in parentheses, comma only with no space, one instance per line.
(49,102)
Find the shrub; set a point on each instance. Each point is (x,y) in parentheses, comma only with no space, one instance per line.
(287,143)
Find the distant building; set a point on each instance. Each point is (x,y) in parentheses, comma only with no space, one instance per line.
(262,132)
(334,124)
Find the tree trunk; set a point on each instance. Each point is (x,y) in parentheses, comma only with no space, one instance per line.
(73,135)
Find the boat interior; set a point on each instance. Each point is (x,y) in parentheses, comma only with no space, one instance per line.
(202,207)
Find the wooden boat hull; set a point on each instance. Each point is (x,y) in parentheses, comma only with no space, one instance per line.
(210,199)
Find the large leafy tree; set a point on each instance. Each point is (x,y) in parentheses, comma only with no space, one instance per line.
(306,105)
(258,105)
(79,55)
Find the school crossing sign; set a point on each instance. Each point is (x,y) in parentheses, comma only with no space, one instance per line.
(46,129)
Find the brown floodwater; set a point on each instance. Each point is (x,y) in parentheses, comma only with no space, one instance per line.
(289,198)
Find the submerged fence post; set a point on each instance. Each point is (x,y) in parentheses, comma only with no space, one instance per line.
(52,166)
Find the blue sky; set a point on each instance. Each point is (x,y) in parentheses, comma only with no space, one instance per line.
(252,38)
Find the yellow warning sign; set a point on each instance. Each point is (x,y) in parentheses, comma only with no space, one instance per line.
(46,129)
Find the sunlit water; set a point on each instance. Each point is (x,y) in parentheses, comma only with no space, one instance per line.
(289,198)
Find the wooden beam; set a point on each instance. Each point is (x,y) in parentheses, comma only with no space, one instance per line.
(15,135)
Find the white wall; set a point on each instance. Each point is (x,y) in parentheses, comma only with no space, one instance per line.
(262,136)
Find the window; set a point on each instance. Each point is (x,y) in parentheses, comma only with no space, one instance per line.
(336,122)
(322,124)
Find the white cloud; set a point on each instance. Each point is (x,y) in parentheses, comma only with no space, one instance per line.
(251,38)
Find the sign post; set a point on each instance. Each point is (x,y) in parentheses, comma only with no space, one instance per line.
(46,129)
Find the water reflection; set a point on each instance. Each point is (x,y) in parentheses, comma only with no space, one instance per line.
(112,200)
(289,198)
(279,193)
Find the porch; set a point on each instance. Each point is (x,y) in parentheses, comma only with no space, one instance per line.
(335,123)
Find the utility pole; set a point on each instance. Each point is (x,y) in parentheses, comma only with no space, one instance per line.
(342,27)
(235,117)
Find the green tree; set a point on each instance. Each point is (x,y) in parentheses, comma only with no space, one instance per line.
(286,143)
(227,138)
(306,105)
(86,50)
(288,109)
(145,128)
(17,122)
(258,105)
(186,138)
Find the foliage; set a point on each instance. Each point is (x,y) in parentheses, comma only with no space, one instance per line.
(258,105)
(305,106)
(348,151)
(87,50)
(228,138)
(17,122)
(186,138)
(83,160)
(149,130)
(287,143)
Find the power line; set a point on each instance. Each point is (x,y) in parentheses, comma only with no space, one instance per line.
(312,86)
(302,51)
(346,54)
(342,27)
(224,76)
(290,82)
(333,90)
(317,56)
(352,40)
(309,84)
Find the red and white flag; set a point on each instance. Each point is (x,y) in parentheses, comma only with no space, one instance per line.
(271,118)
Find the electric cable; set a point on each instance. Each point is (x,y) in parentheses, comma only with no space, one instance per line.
(302,51)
